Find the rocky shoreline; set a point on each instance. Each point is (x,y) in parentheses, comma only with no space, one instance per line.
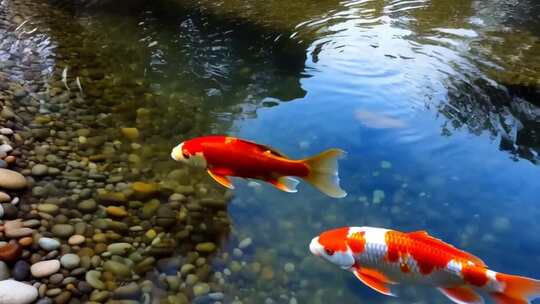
(82,220)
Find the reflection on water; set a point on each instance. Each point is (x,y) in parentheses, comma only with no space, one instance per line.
(435,102)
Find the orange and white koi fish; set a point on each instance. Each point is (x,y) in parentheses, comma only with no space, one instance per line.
(381,257)
(225,156)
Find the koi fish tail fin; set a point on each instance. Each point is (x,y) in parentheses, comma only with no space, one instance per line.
(516,289)
(323,173)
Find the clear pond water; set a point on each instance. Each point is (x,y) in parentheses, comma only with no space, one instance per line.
(435,102)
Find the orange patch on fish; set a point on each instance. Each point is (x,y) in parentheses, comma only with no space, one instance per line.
(335,239)
(474,275)
(357,242)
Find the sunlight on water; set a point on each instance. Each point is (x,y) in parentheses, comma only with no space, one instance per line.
(435,102)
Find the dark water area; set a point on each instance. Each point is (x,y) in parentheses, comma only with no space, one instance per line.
(437,104)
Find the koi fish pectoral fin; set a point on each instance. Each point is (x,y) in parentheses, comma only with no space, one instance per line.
(462,295)
(285,183)
(221,179)
(375,280)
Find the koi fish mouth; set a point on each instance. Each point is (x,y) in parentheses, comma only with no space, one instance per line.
(176,153)
(315,247)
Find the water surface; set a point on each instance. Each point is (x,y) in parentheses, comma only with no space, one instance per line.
(435,102)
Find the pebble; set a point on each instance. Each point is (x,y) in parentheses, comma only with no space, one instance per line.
(48,208)
(10,211)
(10,252)
(25,293)
(70,260)
(48,244)
(11,180)
(119,269)
(4,271)
(18,232)
(245,243)
(39,170)
(289,267)
(201,289)
(62,230)
(76,239)
(93,277)
(130,291)
(130,133)
(116,211)
(45,268)
(206,247)
(87,206)
(4,197)
(119,248)
(6,131)
(5,148)
(21,270)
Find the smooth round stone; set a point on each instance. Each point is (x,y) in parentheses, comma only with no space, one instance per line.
(119,248)
(10,211)
(4,197)
(62,230)
(206,247)
(201,289)
(117,268)
(70,260)
(87,206)
(4,271)
(25,293)
(116,211)
(39,170)
(48,244)
(56,278)
(45,268)
(289,267)
(21,270)
(48,208)
(76,239)
(11,180)
(245,243)
(93,277)
(130,291)
(130,133)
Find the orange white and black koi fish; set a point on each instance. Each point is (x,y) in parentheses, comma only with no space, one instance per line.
(381,257)
(225,156)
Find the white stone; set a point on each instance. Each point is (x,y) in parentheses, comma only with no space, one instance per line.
(24,293)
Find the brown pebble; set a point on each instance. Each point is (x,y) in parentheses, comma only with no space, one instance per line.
(10,159)
(10,252)
(62,298)
(86,252)
(26,241)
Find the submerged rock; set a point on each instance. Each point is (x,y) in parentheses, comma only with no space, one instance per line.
(45,268)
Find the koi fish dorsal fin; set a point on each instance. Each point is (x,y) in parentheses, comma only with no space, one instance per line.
(223,180)
(462,295)
(264,148)
(374,279)
(426,238)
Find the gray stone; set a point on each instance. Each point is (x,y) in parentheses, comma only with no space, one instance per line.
(70,261)
(62,230)
(130,291)
(48,244)
(21,270)
(4,271)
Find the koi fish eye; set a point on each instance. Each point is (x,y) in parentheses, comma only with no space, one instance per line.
(329,251)
(185,155)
